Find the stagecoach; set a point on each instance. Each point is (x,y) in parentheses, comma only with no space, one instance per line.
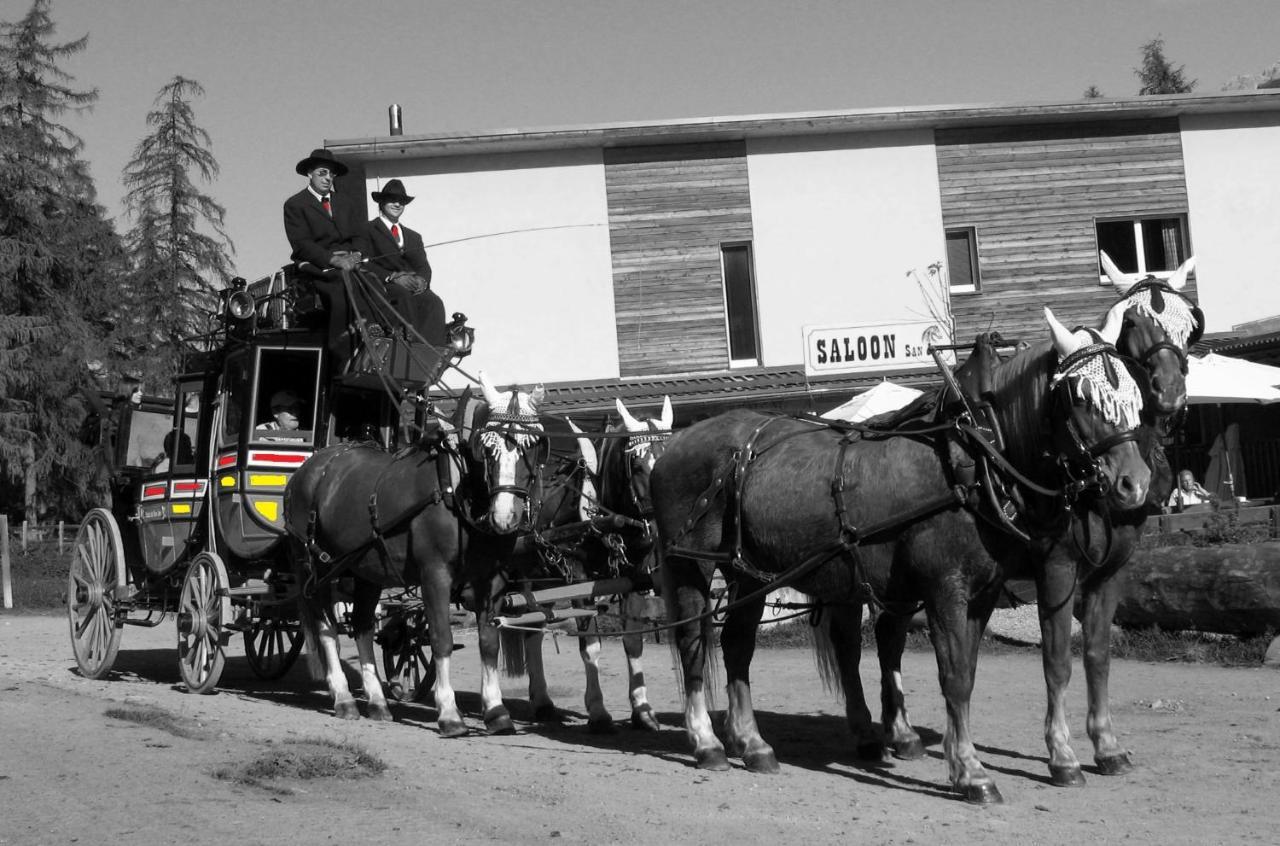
(195,528)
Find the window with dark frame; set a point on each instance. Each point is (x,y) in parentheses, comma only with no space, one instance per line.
(962,260)
(740,303)
(1155,245)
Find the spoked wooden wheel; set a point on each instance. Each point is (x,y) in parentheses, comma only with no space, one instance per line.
(95,584)
(203,612)
(408,669)
(272,646)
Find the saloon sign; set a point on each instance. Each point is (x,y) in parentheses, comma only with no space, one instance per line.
(871,346)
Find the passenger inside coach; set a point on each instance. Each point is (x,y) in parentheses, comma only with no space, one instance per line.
(286,418)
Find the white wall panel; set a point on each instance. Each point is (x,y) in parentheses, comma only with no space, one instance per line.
(1233,189)
(520,243)
(839,222)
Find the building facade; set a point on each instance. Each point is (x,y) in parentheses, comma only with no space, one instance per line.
(790,260)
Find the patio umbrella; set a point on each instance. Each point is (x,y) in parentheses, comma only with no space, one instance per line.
(1225,476)
(886,396)
(1219,379)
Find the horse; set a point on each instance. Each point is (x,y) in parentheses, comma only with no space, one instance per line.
(601,484)
(442,514)
(1154,325)
(930,516)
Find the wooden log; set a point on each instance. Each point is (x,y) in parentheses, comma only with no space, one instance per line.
(1229,589)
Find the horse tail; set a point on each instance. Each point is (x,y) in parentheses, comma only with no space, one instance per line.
(511,642)
(667,580)
(824,654)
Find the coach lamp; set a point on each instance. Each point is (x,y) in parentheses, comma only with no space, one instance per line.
(460,335)
(240,307)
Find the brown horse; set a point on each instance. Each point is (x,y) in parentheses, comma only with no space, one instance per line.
(441,515)
(885,519)
(1155,326)
(608,477)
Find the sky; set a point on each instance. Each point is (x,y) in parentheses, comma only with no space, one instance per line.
(283,76)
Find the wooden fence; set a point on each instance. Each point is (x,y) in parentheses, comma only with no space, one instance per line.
(26,536)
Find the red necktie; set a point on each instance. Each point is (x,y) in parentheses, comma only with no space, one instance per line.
(395,233)
(325,205)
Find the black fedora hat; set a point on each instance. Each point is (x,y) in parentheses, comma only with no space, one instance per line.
(393,192)
(320,158)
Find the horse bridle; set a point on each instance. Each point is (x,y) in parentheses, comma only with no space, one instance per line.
(508,426)
(1087,459)
(1159,290)
(637,443)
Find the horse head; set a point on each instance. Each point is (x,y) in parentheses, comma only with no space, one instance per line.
(625,475)
(1098,415)
(1157,325)
(509,442)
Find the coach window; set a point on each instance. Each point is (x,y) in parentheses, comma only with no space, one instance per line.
(740,304)
(285,398)
(1154,245)
(962,260)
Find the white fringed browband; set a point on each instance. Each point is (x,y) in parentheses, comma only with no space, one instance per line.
(1120,405)
(1176,320)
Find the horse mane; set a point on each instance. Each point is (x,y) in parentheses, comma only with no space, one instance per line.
(1020,396)
(612,455)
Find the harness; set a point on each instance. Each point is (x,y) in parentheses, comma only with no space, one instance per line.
(988,471)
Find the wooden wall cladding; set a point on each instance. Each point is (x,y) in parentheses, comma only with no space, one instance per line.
(670,208)
(1033,194)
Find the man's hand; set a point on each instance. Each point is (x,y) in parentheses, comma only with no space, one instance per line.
(411,282)
(345,260)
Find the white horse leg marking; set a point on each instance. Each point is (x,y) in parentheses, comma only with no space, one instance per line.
(378,709)
(449,718)
(344,704)
(599,720)
(633,607)
(697,725)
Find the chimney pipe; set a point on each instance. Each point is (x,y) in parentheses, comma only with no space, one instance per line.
(393,114)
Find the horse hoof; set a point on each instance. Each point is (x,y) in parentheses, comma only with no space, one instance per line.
(1114,764)
(346,710)
(1066,776)
(498,721)
(765,763)
(452,728)
(604,725)
(642,718)
(380,713)
(982,794)
(711,759)
(908,750)
(870,750)
(547,714)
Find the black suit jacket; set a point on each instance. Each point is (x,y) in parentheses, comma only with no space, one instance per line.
(389,258)
(314,235)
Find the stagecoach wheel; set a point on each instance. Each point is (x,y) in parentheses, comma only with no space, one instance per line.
(203,612)
(272,646)
(409,672)
(95,583)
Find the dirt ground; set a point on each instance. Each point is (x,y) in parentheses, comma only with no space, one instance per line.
(1206,741)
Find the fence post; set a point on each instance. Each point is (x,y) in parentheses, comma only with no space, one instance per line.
(59,538)
(24,537)
(5,571)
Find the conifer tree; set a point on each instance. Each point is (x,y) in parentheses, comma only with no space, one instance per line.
(1157,75)
(57,257)
(179,250)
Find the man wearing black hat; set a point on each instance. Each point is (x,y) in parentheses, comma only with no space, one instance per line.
(397,255)
(326,232)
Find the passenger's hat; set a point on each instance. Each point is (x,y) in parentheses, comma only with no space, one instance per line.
(320,157)
(393,193)
(285,399)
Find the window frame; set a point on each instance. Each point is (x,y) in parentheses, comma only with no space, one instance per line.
(757,359)
(1184,237)
(972,236)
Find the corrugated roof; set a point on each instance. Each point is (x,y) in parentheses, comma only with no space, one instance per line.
(756,386)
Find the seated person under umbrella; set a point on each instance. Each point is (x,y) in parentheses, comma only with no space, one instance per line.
(1188,492)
